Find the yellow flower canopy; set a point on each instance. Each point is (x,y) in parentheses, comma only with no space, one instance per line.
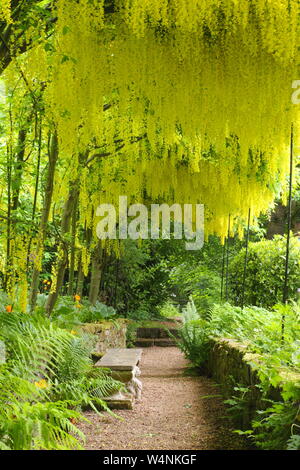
(180,100)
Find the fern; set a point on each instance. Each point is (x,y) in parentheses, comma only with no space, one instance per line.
(48,378)
(294,442)
(45,426)
(88,390)
(38,349)
(28,422)
(273,428)
(193,339)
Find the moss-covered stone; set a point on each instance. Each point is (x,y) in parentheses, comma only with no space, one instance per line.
(111,334)
(232,365)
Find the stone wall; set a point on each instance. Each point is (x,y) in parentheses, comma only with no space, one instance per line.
(110,334)
(230,365)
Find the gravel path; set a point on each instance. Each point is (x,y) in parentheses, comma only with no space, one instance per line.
(177,412)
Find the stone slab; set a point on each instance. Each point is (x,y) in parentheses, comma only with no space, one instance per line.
(119,404)
(120,359)
(117,401)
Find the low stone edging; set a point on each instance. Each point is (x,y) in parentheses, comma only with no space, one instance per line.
(231,365)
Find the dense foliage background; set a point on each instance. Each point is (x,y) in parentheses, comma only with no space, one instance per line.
(164,101)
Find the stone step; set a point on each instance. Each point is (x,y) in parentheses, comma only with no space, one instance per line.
(148,342)
(143,332)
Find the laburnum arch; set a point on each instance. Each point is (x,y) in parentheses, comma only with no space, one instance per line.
(202,88)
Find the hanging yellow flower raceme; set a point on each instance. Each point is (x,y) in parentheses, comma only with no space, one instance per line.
(194,94)
(5,11)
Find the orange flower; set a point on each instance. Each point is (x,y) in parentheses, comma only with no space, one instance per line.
(77,297)
(8,308)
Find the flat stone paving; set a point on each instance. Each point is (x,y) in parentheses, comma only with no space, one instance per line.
(120,359)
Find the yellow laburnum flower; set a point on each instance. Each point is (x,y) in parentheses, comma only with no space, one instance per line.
(5,11)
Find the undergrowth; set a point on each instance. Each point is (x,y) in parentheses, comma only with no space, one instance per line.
(276,361)
(47,380)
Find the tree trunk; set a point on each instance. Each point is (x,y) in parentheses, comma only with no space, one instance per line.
(96,274)
(63,246)
(52,156)
(80,279)
(19,168)
(8,266)
(72,254)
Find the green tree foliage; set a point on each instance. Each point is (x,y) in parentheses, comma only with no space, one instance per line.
(197,281)
(265,272)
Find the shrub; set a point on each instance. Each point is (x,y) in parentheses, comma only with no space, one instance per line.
(69,313)
(168,310)
(198,282)
(265,272)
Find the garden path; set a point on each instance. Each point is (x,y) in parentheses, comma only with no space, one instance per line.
(177,411)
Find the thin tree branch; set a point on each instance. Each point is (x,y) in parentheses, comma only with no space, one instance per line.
(134,140)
